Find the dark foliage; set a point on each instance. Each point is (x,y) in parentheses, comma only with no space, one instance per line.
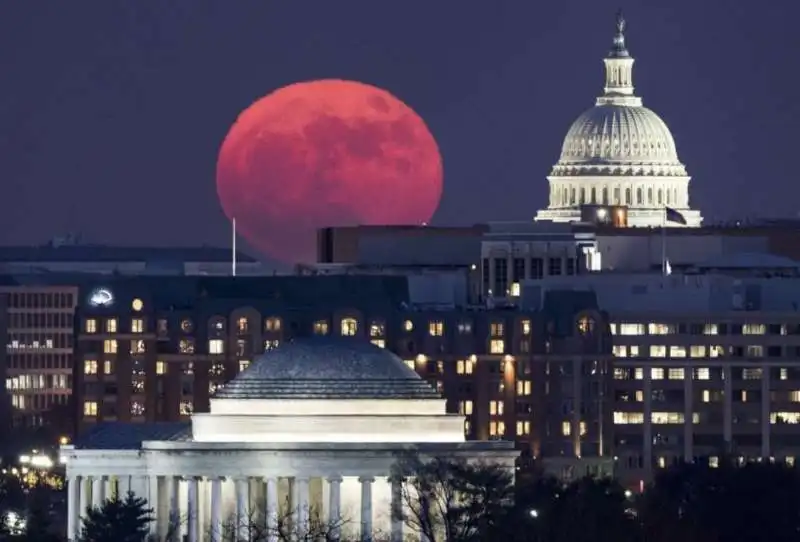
(118,520)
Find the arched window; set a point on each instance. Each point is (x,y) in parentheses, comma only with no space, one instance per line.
(585,325)
(242,325)
(273,323)
(616,195)
(593,195)
(564,197)
(572,196)
(639,196)
(583,195)
(660,197)
(349,326)
(604,198)
(669,196)
(650,196)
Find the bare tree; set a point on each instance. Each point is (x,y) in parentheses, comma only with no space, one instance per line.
(452,500)
(286,529)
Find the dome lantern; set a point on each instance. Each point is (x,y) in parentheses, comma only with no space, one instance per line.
(619,71)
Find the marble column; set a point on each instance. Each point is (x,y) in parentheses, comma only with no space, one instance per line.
(302,506)
(98,491)
(173,488)
(366,507)
(73,510)
(124,486)
(193,510)
(83,497)
(216,510)
(335,506)
(272,509)
(152,502)
(242,509)
(397,509)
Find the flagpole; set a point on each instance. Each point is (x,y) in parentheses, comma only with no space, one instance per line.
(664,241)
(233,248)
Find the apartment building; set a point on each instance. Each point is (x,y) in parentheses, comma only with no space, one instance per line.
(704,365)
(39,350)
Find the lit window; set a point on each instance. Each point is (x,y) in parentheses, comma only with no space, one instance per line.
(496,408)
(349,327)
(242,325)
(137,325)
(137,347)
(465,327)
(710,329)
(161,367)
(137,304)
(660,329)
(137,408)
(90,367)
(186,408)
(638,373)
(657,373)
(436,328)
(216,346)
(90,408)
(620,350)
(465,408)
(754,329)
(91,325)
(376,329)
(186,325)
(270,344)
(631,329)
(243,364)
(585,325)
(111,325)
(666,417)
(108,367)
(321,327)
(379,343)
(792,418)
(110,346)
(627,418)
(496,329)
(408,325)
(677,351)
(697,351)
(497,346)
(658,351)
(751,374)
(675,373)
(523,387)
(566,429)
(523,428)
(186,346)
(702,373)
(526,327)
(272,324)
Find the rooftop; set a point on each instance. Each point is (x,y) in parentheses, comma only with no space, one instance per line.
(327,368)
(108,253)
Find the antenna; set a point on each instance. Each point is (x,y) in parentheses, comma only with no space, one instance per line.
(233,248)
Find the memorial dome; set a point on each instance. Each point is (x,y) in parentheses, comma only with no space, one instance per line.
(327,368)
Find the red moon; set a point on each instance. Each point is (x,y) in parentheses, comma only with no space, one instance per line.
(325,153)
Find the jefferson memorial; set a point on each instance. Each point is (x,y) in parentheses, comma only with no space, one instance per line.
(311,429)
(619,153)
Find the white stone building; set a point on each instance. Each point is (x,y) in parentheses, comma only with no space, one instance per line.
(312,428)
(619,153)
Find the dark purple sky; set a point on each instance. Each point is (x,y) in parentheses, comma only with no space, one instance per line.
(112,113)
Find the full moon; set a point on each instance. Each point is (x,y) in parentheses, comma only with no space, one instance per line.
(325,153)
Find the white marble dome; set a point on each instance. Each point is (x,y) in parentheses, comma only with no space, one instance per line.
(608,134)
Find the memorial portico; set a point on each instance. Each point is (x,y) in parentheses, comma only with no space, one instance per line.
(310,433)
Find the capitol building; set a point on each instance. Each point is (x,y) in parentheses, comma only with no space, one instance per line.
(619,153)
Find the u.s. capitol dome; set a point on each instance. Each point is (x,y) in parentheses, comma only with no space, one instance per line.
(619,153)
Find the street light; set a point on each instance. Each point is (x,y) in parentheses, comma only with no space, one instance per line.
(534,513)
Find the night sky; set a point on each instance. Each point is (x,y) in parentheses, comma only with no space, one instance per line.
(112,113)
